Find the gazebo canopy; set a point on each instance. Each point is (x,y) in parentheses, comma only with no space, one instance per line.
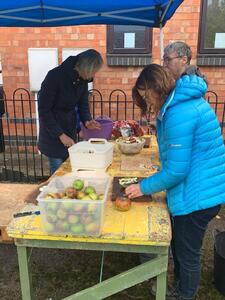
(51,13)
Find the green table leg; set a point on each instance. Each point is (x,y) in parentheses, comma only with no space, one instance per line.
(127,279)
(161,286)
(25,277)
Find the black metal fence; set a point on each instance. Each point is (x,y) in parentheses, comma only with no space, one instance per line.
(21,162)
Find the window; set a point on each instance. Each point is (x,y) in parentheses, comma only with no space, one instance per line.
(212,32)
(128,45)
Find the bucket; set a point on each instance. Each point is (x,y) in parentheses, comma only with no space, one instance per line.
(219,261)
(104,133)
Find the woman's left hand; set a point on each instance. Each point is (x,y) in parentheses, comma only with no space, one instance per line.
(133,191)
(92,124)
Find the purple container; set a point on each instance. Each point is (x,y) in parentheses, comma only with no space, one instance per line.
(104,133)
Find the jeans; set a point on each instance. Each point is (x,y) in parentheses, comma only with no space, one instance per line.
(54,163)
(187,236)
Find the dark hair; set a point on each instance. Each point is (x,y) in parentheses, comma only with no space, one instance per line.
(153,77)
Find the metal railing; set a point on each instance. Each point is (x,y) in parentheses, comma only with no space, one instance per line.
(21,162)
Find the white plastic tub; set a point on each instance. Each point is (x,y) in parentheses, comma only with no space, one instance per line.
(74,216)
(91,154)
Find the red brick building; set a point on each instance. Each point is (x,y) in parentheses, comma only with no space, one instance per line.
(185,25)
(193,23)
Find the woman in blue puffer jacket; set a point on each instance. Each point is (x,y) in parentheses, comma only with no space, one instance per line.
(192,156)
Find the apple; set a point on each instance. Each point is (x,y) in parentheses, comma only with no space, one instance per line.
(63,226)
(92,208)
(122,203)
(61,214)
(93,196)
(48,196)
(55,195)
(78,184)
(78,207)
(51,218)
(67,205)
(80,194)
(61,195)
(89,189)
(92,227)
(86,219)
(73,219)
(77,229)
(100,196)
(49,227)
(51,207)
(70,192)
(86,197)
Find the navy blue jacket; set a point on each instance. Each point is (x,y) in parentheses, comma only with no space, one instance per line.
(61,91)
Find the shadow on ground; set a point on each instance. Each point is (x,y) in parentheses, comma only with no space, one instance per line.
(60,273)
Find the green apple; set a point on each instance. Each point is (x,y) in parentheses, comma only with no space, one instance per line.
(86,197)
(77,229)
(89,189)
(73,219)
(63,226)
(61,214)
(92,227)
(51,218)
(67,205)
(92,208)
(93,196)
(49,227)
(51,207)
(78,184)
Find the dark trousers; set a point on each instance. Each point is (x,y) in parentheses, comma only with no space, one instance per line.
(187,236)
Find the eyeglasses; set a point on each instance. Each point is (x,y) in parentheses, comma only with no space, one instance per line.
(167,59)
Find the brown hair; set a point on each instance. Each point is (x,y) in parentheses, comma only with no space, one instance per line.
(153,77)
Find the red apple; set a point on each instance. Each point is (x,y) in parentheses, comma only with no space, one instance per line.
(122,203)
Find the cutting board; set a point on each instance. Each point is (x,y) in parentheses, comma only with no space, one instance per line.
(119,191)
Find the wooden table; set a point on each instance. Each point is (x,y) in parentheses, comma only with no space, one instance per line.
(143,229)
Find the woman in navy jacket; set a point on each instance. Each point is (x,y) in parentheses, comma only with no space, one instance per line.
(192,156)
(64,88)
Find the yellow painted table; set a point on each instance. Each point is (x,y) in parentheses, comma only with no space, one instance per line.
(143,229)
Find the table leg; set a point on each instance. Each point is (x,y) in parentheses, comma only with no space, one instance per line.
(25,276)
(161,286)
(127,279)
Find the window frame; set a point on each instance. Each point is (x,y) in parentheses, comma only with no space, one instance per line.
(201,37)
(124,51)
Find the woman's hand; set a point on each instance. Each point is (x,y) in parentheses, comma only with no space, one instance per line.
(92,124)
(133,191)
(66,140)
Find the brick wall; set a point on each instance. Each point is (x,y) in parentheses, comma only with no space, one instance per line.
(14,44)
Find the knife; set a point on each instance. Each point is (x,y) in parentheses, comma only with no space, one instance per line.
(26,213)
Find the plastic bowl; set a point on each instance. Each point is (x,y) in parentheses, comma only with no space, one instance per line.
(131,148)
(104,133)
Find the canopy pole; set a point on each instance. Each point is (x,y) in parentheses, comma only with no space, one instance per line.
(161,43)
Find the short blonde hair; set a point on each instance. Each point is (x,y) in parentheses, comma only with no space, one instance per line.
(89,62)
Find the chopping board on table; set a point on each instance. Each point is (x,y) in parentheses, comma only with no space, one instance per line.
(119,191)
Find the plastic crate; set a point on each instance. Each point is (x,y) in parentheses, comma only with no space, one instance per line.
(74,216)
(93,154)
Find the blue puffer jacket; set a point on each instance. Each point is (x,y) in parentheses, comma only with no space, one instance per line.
(191,149)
